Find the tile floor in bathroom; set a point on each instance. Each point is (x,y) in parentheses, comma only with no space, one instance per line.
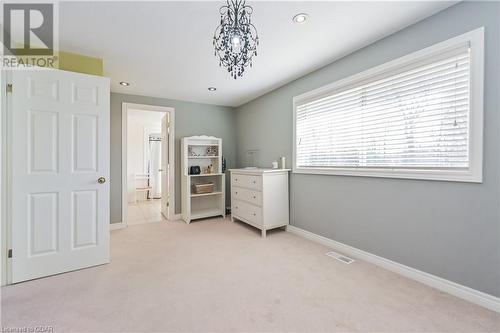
(144,212)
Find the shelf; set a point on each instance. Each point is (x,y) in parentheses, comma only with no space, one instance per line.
(205,194)
(204,152)
(204,144)
(202,213)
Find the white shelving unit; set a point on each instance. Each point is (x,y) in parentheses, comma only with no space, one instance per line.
(194,152)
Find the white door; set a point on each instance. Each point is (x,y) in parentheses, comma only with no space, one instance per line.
(165,166)
(59,141)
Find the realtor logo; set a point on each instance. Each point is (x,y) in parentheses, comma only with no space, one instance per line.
(28,29)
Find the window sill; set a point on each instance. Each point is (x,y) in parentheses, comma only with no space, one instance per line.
(468,176)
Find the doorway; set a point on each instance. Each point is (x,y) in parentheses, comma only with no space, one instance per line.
(147,163)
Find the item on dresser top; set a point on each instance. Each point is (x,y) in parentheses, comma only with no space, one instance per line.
(252,157)
(275,165)
(283,166)
(195,170)
(203,188)
(223,165)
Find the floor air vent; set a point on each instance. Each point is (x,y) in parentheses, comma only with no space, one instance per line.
(339,257)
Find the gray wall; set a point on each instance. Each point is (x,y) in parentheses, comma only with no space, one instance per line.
(448,229)
(190,119)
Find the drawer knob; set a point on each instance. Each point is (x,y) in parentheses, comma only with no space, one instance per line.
(236,192)
(253,214)
(254,181)
(236,207)
(254,196)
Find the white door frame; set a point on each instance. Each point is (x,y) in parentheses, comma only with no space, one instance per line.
(5,180)
(4,227)
(171,153)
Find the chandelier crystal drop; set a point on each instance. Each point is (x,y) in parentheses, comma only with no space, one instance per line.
(236,39)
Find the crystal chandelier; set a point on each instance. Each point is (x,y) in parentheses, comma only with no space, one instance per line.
(236,39)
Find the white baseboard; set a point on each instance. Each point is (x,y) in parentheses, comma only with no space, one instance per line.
(116,226)
(455,289)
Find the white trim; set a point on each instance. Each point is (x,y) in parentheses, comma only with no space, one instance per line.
(124,163)
(171,152)
(177,217)
(475,172)
(4,228)
(455,289)
(117,226)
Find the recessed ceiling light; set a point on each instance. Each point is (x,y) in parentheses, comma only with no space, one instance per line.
(123,83)
(300,18)
(212,89)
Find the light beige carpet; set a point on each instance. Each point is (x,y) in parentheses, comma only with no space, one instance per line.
(215,275)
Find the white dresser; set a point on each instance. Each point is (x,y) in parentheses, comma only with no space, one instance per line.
(259,197)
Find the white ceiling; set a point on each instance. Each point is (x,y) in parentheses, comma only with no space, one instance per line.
(164,49)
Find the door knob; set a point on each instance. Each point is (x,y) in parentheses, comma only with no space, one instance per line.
(101,180)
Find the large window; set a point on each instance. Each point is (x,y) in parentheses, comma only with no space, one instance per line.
(416,117)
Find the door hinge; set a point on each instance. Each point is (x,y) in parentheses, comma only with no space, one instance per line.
(168,204)
(9,253)
(9,87)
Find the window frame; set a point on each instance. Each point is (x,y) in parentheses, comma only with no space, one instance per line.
(474,173)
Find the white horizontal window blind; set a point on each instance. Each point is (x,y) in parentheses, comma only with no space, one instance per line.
(415,117)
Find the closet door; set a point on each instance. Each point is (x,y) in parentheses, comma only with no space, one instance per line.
(59,142)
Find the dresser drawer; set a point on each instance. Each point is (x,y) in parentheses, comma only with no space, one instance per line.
(247,211)
(251,196)
(247,181)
